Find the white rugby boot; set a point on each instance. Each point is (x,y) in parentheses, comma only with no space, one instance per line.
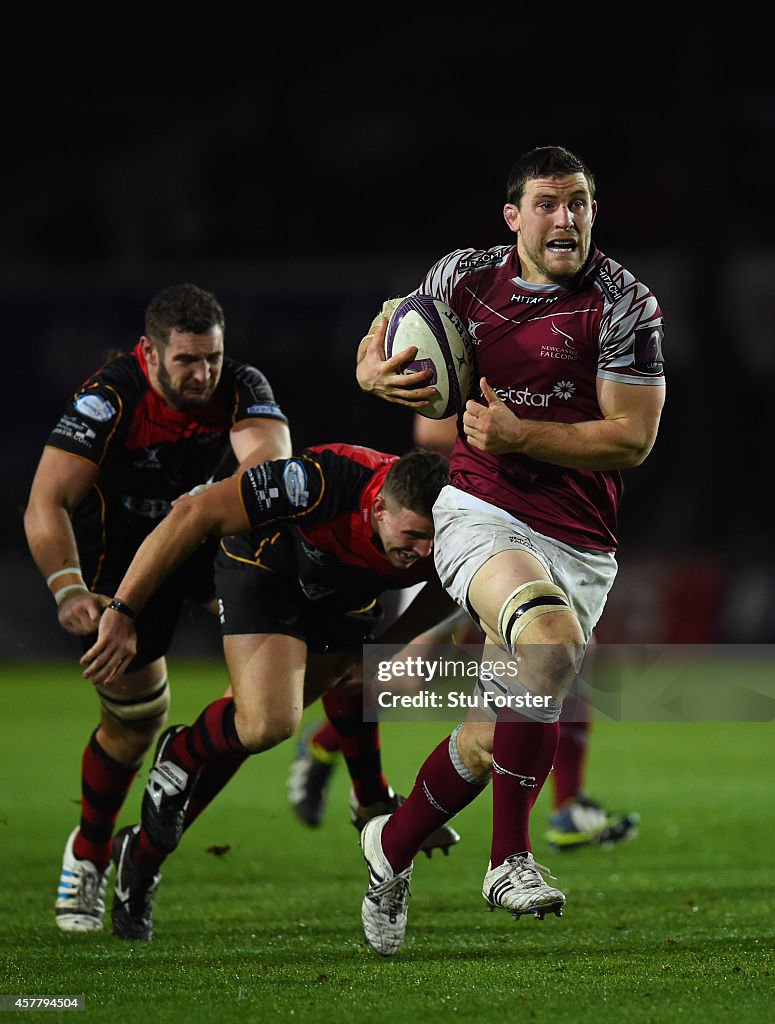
(518,886)
(384,908)
(80,903)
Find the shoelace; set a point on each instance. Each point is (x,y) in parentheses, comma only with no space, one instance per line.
(397,887)
(86,885)
(527,871)
(89,887)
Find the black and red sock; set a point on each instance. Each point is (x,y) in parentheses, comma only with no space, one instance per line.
(324,742)
(211,745)
(359,743)
(104,786)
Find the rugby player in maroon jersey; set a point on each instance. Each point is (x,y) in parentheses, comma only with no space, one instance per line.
(147,426)
(577,819)
(571,388)
(309,544)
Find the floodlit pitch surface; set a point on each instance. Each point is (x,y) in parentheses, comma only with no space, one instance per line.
(678,925)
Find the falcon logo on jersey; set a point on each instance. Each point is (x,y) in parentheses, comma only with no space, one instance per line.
(95,407)
(295,483)
(647,349)
(565,349)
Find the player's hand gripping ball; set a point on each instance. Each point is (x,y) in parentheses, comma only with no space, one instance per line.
(443,346)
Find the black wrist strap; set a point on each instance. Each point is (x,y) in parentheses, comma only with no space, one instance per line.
(119,606)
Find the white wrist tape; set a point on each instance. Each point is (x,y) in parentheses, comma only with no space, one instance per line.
(63,572)
(62,593)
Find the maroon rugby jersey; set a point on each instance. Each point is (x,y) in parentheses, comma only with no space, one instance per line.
(542,348)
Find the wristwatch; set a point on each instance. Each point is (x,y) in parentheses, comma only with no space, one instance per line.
(119,606)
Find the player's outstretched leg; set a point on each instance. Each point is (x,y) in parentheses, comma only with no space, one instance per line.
(522,759)
(517,885)
(167,794)
(310,774)
(384,908)
(132,910)
(80,903)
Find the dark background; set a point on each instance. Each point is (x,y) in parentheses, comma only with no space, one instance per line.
(303,199)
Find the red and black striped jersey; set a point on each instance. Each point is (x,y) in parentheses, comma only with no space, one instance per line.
(311,519)
(149,454)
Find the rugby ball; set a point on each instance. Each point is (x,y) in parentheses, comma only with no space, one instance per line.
(443,346)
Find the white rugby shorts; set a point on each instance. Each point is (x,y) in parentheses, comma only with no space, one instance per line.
(469,531)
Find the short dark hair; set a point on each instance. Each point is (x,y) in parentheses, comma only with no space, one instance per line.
(414,481)
(184,307)
(544,162)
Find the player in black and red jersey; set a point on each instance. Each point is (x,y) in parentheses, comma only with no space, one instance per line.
(151,424)
(568,346)
(321,536)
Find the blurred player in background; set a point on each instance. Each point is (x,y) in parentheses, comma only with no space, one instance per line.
(150,424)
(577,820)
(568,346)
(309,545)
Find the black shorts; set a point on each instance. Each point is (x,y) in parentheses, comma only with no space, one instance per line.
(157,622)
(257,600)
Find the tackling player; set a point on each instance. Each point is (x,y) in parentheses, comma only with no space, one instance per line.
(168,416)
(309,544)
(568,346)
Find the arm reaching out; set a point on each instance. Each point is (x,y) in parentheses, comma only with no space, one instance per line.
(217,510)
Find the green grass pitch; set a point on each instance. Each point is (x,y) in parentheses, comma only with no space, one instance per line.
(677,925)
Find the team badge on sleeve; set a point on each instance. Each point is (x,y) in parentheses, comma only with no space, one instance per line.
(95,407)
(267,409)
(647,350)
(295,483)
